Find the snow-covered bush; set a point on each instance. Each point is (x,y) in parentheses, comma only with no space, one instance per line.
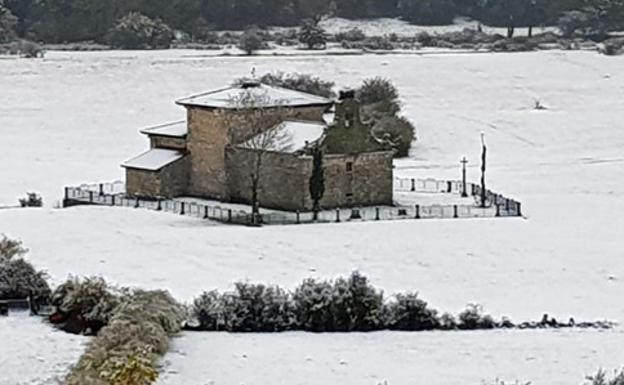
(127,350)
(398,130)
(31,200)
(84,305)
(137,31)
(408,312)
(209,311)
(251,41)
(350,304)
(257,308)
(473,318)
(313,305)
(600,378)
(18,278)
(354,34)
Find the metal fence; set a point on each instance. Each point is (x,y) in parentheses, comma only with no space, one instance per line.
(112,194)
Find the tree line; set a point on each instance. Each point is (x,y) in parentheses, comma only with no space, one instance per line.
(56,21)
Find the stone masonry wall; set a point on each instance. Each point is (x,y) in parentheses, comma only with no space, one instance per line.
(282,179)
(368,183)
(168,142)
(168,182)
(212,130)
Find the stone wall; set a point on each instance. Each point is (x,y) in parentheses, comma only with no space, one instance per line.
(212,130)
(168,182)
(282,181)
(355,180)
(285,179)
(168,142)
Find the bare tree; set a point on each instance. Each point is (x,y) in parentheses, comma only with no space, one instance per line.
(258,126)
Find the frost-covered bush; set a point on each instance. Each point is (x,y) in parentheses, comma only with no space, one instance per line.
(473,318)
(350,304)
(408,312)
(31,200)
(251,41)
(600,378)
(257,308)
(354,34)
(128,349)
(379,97)
(209,311)
(84,305)
(137,31)
(398,130)
(447,322)
(313,305)
(18,278)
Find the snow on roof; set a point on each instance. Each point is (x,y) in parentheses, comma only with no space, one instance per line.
(291,136)
(251,94)
(154,159)
(175,129)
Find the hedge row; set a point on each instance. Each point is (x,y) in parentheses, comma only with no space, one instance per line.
(127,349)
(342,305)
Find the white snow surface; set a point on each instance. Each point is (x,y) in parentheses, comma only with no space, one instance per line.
(73,117)
(177,129)
(34,353)
(291,136)
(153,159)
(562,357)
(387,26)
(258,95)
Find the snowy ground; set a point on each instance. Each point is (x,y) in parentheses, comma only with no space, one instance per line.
(437,358)
(74,117)
(34,353)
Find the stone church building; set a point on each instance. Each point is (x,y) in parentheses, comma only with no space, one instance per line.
(231,132)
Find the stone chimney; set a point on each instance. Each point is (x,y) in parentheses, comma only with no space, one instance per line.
(347,109)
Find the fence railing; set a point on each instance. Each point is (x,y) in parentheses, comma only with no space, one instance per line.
(112,194)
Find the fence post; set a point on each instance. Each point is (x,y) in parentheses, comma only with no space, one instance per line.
(455,213)
(90,196)
(229,215)
(413,185)
(519,209)
(507,205)
(449,186)
(498,210)
(376,213)
(159,205)
(205,212)
(472,189)
(337,215)
(101,189)
(298,219)
(66,193)
(417,212)
(112,200)
(181,208)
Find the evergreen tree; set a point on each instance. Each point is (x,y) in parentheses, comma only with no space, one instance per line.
(8,23)
(317,180)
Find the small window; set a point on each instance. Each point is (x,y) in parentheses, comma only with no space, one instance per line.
(349,198)
(349,166)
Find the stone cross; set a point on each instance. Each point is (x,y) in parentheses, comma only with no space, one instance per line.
(464,162)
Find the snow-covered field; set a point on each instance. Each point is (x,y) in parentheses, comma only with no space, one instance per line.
(34,353)
(437,358)
(74,117)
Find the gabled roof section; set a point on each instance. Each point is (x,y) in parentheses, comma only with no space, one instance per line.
(154,159)
(252,94)
(173,130)
(289,136)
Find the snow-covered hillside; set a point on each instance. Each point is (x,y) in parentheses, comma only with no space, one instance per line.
(74,117)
